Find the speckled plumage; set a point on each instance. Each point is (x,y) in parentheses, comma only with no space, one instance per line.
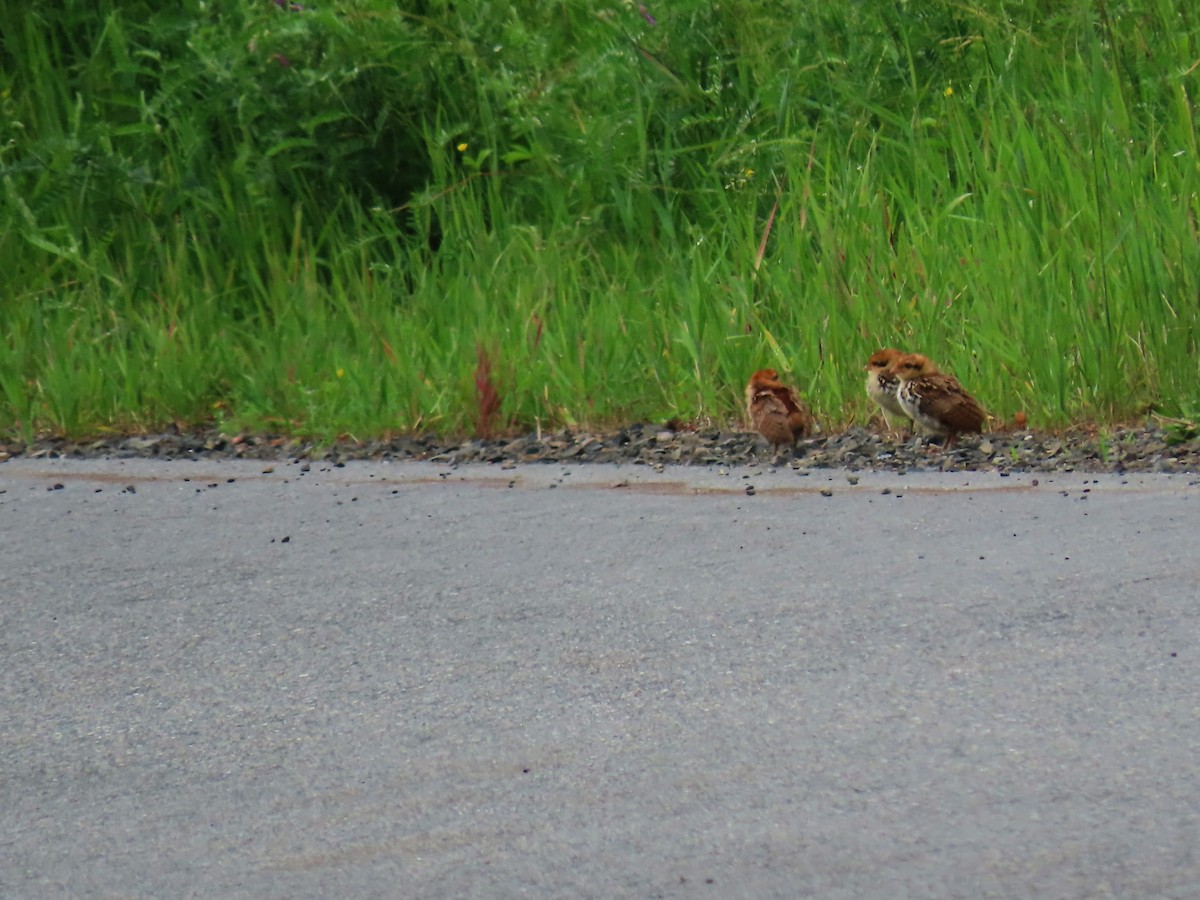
(882,385)
(776,411)
(934,400)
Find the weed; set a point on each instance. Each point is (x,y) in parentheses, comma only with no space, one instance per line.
(1183,428)
(486,394)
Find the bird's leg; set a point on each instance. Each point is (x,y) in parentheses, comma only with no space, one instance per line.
(896,431)
(932,448)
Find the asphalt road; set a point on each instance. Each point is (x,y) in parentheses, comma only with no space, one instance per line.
(410,681)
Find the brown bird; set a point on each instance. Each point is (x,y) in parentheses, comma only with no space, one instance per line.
(935,401)
(881,388)
(776,410)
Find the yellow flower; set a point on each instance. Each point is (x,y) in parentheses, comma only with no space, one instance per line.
(462,148)
(949,92)
(341,372)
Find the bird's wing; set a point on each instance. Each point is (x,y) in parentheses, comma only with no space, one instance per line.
(800,417)
(948,402)
(786,396)
(767,402)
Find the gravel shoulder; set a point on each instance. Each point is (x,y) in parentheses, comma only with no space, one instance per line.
(1118,450)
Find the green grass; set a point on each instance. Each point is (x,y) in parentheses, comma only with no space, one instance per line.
(352,220)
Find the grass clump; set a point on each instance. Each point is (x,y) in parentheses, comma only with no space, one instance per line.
(357,219)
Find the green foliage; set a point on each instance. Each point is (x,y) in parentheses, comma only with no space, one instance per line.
(310,218)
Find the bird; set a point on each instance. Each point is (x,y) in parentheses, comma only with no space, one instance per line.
(776,410)
(881,388)
(934,400)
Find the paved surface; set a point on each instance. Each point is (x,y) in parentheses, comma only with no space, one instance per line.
(379,681)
